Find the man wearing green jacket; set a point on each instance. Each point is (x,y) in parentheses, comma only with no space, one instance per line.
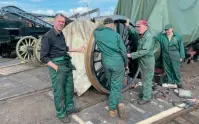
(114,60)
(172,51)
(146,59)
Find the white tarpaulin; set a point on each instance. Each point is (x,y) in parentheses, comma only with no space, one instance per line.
(78,33)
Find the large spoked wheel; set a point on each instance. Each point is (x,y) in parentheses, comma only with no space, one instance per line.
(93,63)
(36,50)
(24,48)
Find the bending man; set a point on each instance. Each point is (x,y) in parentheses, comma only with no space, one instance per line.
(114,59)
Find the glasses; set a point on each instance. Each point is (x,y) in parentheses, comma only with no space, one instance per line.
(137,26)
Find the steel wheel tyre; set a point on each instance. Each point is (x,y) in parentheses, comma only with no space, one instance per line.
(24,48)
(94,67)
(36,50)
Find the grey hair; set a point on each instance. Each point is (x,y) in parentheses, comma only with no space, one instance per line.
(60,14)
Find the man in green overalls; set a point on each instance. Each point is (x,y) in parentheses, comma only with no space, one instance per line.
(146,59)
(172,51)
(54,54)
(114,60)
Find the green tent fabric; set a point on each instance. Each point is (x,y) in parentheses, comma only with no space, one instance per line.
(182,14)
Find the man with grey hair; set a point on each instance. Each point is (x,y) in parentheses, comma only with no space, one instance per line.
(54,54)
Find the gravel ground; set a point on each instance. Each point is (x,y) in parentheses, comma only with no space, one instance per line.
(190,78)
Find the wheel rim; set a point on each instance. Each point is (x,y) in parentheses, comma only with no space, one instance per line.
(94,67)
(24,48)
(37,49)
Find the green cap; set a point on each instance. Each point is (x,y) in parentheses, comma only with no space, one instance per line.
(168,27)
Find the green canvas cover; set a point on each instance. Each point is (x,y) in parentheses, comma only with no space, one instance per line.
(182,14)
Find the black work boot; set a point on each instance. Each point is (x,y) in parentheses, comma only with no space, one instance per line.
(142,102)
(72,111)
(180,86)
(65,119)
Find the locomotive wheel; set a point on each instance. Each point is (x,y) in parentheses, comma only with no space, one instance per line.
(24,48)
(93,63)
(36,50)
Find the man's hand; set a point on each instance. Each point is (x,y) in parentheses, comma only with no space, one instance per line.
(180,59)
(82,48)
(56,68)
(52,65)
(129,55)
(127,22)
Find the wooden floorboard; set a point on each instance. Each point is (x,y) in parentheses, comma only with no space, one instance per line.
(191,118)
(195,113)
(181,121)
(172,122)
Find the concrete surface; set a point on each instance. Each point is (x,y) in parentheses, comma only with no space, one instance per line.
(10,89)
(26,98)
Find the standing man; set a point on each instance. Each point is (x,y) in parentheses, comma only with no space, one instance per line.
(172,50)
(114,60)
(54,54)
(146,59)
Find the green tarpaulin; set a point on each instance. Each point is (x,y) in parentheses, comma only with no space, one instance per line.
(182,14)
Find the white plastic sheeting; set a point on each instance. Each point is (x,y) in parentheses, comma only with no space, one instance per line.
(78,33)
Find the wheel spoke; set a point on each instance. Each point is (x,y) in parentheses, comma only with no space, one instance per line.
(23,43)
(102,76)
(96,61)
(32,44)
(125,34)
(123,31)
(29,42)
(32,56)
(28,57)
(96,50)
(126,40)
(25,55)
(26,42)
(99,70)
(118,27)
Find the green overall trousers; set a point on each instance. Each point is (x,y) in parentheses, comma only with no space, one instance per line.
(62,84)
(115,77)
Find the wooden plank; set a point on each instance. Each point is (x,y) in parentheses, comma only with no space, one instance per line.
(191,118)
(195,113)
(175,115)
(162,115)
(172,122)
(181,121)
